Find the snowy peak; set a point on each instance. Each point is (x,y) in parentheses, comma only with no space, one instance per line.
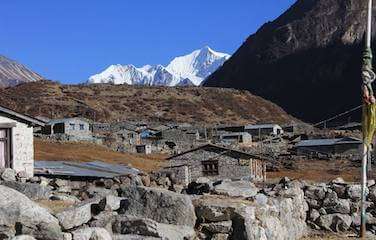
(190,69)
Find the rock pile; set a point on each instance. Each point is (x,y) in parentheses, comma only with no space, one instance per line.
(336,206)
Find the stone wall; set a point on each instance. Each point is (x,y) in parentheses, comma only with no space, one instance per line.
(22,146)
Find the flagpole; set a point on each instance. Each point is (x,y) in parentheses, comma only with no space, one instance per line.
(365,149)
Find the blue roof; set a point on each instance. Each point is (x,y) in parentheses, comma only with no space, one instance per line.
(328,142)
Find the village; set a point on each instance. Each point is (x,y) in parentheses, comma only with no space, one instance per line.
(232,162)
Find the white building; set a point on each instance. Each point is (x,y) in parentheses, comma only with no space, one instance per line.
(17,140)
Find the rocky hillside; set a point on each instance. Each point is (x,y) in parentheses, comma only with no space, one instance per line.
(106,102)
(13,73)
(307,60)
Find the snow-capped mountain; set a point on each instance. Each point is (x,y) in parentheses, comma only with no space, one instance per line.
(186,70)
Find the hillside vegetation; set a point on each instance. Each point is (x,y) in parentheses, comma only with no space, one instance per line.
(106,103)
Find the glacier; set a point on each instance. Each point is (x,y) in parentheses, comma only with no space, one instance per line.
(187,70)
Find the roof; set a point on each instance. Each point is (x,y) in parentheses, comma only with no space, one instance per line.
(60,120)
(21,117)
(224,149)
(95,169)
(328,142)
(258,126)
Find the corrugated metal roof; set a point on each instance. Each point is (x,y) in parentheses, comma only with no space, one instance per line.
(328,142)
(95,169)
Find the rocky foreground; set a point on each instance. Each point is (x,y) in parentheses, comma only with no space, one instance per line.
(138,207)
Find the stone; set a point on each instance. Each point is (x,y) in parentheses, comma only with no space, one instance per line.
(217,227)
(340,190)
(335,222)
(372,193)
(132,237)
(341,206)
(44,181)
(338,180)
(284,181)
(113,203)
(33,191)
(214,211)
(17,210)
(371,182)
(220,236)
(197,188)
(67,236)
(146,180)
(355,192)
(261,199)
(22,175)
(77,215)
(104,220)
(64,197)
(147,227)
(60,183)
(9,174)
(7,232)
(91,234)
(160,205)
(312,203)
(313,215)
(94,191)
(203,180)
(64,189)
(315,192)
(242,189)
(34,179)
(23,237)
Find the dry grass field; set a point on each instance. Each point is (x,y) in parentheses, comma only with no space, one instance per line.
(85,152)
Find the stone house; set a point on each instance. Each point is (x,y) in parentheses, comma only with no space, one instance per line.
(264,130)
(74,129)
(216,162)
(336,146)
(232,137)
(16,141)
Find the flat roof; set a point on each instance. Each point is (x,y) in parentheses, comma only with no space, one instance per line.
(328,142)
(257,126)
(96,169)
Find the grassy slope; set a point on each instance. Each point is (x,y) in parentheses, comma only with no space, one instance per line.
(84,152)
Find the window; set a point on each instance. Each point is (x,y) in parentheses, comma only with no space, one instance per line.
(210,168)
(5,158)
(72,126)
(82,127)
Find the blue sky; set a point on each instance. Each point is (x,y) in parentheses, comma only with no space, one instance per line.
(69,40)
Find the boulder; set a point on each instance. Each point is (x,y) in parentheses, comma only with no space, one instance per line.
(335,222)
(160,205)
(33,191)
(313,215)
(243,189)
(147,227)
(338,180)
(78,214)
(340,190)
(94,191)
(8,174)
(91,234)
(372,193)
(104,220)
(18,212)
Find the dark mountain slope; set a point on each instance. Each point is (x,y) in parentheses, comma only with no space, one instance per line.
(307,60)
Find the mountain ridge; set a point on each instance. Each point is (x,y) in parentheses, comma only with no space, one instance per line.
(190,69)
(308,60)
(13,73)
